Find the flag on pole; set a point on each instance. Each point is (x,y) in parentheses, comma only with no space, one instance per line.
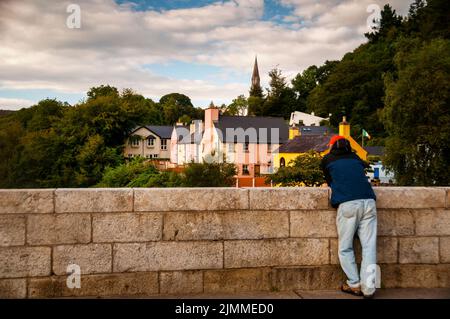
(365,134)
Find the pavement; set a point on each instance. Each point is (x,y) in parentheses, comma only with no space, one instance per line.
(400,293)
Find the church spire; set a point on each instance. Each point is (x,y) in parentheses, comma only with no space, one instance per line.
(255,77)
(255,89)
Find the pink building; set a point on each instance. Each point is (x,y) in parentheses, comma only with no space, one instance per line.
(247,141)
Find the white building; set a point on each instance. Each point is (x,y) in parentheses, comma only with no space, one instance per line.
(379,171)
(149,141)
(306,119)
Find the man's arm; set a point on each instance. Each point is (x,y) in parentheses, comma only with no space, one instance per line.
(323,165)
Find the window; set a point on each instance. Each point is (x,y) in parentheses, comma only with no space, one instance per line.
(150,141)
(282,162)
(163,144)
(269,148)
(135,140)
(231,148)
(245,170)
(130,155)
(246,147)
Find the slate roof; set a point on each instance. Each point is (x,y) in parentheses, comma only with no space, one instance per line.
(162,131)
(305,143)
(262,125)
(315,130)
(374,150)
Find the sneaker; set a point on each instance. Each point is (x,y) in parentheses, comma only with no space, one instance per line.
(368,296)
(356,291)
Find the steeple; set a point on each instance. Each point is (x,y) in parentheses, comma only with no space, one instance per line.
(255,76)
(255,89)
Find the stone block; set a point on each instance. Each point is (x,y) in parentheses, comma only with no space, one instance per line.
(167,256)
(187,199)
(26,201)
(127,227)
(288,198)
(12,230)
(313,223)
(307,278)
(419,250)
(54,229)
(410,197)
(108,285)
(225,225)
(432,222)
(444,249)
(415,276)
(395,222)
(92,258)
(181,282)
(86,200)
(25,262)
(13,288)
(237,280)
(276,252)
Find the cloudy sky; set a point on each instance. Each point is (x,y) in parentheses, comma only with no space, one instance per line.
(202,48)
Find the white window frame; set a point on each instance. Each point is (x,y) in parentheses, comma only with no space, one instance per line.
(135,142)
(152,140)
(163,144)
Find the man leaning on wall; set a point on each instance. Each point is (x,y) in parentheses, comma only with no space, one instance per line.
(354,198)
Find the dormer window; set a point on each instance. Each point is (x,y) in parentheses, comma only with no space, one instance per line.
(150,141)
(135,140)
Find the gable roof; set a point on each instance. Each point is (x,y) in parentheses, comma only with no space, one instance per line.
(305,143)
(162,131)
(262,125)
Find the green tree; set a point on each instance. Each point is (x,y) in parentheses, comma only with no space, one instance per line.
(388,24)
(281,99)
(175,105)
(417,115)
(209,175)
(102,90)
(239,106)
(304,170)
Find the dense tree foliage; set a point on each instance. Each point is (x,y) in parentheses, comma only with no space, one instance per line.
(53,144)
(141,173)
(304,170)
(176,105)
(417,115)
(209,175)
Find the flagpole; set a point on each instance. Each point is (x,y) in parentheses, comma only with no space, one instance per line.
(362,139)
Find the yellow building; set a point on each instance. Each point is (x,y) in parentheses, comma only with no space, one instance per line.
(301,141)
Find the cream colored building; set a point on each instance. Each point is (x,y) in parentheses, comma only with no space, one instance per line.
(150,141)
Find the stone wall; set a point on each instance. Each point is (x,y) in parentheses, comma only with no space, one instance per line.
(132,242)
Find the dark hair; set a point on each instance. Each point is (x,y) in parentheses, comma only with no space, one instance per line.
(342,145)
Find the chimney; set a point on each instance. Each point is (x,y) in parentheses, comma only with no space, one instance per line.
(293,132)
(211,115)
(344,127)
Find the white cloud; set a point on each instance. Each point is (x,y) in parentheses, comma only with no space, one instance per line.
(38,51)
(14,104)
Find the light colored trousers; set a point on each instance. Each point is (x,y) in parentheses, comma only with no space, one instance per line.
(358,216)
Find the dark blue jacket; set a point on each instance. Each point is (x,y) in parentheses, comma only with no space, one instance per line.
(344,173)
